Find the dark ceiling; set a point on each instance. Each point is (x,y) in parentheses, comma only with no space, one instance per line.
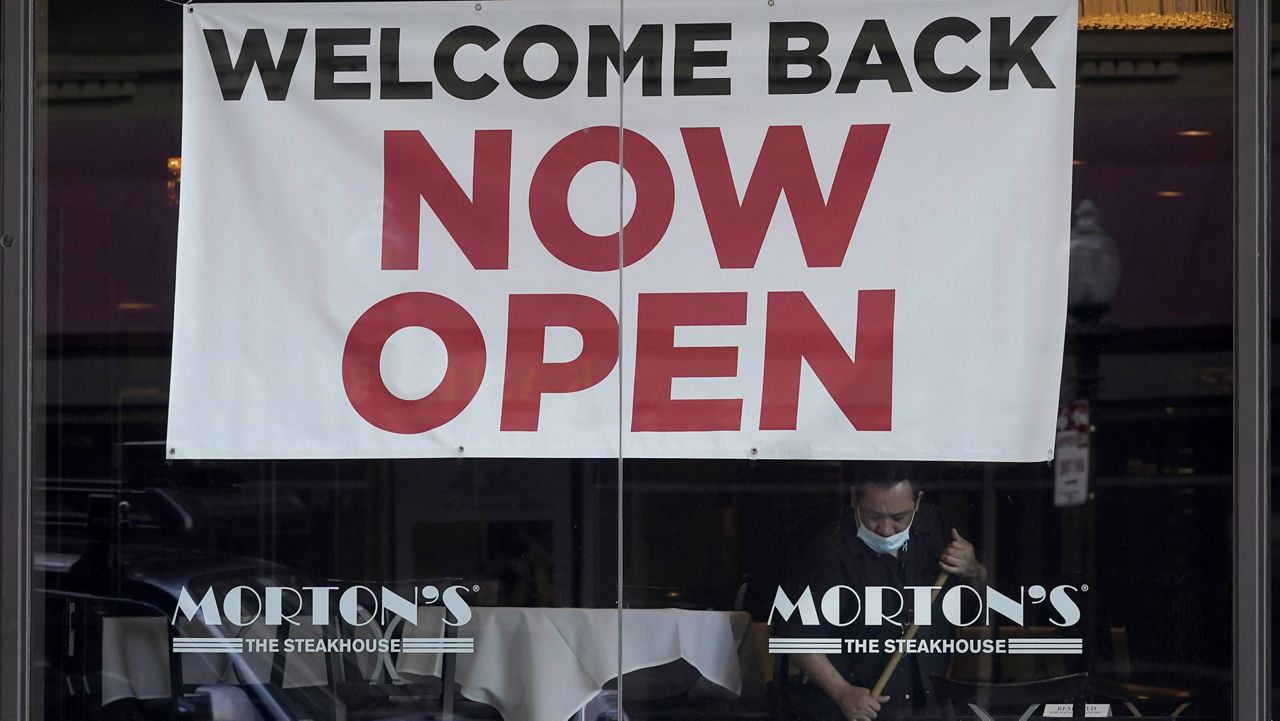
(114,116)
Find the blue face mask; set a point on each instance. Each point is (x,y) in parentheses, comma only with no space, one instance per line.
(885,544)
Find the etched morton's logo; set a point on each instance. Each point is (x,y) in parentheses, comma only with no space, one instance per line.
(961,606)
(420,619)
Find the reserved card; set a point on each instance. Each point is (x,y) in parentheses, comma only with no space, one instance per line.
(1063,710)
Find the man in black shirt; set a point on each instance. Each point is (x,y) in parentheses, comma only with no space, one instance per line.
(886,538)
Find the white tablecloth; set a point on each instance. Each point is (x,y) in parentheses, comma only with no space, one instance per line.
(532,664)
(544,664)
(131,668)
(136,652)
(135,659)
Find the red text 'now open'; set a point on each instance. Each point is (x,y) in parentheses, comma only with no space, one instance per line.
(479,223)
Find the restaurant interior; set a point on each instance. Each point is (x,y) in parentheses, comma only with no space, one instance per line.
(1148,347)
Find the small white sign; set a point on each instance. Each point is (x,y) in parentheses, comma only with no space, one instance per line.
(1063,710)
(1071,456)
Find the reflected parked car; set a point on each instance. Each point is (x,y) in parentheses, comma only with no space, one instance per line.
(109,629)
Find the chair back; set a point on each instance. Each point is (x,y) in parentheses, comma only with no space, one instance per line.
(978,697)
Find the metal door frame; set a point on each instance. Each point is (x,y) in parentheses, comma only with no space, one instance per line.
(19,34)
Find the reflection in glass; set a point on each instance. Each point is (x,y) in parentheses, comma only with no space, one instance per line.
(1147,380)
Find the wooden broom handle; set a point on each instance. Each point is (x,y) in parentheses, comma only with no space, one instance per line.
(896,658)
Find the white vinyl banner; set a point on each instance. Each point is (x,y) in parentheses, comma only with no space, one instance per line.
(798,229)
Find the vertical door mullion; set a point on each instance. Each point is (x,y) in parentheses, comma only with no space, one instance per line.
(1252,678)
(17,120)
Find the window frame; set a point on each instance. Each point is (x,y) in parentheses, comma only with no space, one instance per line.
(20,151)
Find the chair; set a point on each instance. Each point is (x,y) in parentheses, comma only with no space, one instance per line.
(1029,667)
(455,706)
(440,697)
(1114,681)
(687,708)
(1171,701)
(1032,694)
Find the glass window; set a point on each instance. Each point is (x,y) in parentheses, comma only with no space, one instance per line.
(1133,519)
(157,580)
(628,587)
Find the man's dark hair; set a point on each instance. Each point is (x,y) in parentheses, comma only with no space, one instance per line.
(887,474)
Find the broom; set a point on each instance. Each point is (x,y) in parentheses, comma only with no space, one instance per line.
(896,658)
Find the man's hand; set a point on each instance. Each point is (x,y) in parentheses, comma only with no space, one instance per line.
(857,704)
(959,559)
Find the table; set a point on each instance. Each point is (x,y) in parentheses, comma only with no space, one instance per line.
(532,664)
(545,664)
(135,659)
